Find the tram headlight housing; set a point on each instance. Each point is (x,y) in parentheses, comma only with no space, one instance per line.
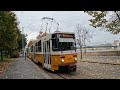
(62,60)
(75,58)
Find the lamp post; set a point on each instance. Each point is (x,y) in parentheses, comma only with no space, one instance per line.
(22,43)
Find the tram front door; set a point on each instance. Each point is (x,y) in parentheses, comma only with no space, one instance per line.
(34,55)
(46,52)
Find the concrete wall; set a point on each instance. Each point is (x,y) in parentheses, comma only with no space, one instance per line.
(105,53)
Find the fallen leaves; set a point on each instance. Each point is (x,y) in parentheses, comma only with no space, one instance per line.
(4,64)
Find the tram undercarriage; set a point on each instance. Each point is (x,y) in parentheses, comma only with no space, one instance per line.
(71,67)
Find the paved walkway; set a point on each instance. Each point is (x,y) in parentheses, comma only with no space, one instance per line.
(23,69)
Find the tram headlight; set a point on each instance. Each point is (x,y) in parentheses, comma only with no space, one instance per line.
(62,60)
(75,58)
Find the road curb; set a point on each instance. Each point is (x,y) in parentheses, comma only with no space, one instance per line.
(101,62)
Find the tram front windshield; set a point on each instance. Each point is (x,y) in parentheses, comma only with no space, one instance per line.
(66,44)
(63,44)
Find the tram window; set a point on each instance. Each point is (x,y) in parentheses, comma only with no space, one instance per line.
(43,47)
(31,48)
(48,46)
(34,49)
(53,36)
(36,46)
(39,46)
(55,44)
(67,46)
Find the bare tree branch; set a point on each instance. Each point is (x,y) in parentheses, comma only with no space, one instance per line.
(117,15)
(82,35)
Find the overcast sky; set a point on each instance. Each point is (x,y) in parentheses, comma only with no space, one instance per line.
(31,21)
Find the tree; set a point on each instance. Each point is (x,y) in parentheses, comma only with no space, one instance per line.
(82,35)
(99,20)
(8,32)
(24,36)
(19,40)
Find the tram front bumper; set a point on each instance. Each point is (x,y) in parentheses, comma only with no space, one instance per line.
(68,64)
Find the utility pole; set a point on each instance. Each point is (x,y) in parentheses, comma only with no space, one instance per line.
(22,43)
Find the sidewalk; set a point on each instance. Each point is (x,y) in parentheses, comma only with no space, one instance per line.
(23,69)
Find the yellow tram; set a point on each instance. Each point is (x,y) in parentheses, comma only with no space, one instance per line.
(55,50)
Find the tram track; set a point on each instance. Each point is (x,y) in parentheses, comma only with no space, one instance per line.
(86,70)
(61,76)
(56,74)
(64,75)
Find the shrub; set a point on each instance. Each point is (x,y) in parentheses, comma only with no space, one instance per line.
(15,54)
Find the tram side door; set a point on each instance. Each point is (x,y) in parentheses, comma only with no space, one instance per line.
(46,51)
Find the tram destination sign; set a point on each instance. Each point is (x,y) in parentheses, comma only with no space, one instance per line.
(66,35)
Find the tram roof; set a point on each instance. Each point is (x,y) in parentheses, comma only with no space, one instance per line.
(51,34)
(64,32)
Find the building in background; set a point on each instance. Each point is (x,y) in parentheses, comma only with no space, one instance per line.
(116,43)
